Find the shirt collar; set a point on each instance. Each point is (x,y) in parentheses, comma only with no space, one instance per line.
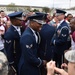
(32,30)
(16,27)
(61,21)
(67,21)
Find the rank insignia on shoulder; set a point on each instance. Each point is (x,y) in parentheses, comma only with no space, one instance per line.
(29,46)
(64,35)
(8,41)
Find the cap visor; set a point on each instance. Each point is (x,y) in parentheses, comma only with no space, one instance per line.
(19,18)
(39,21)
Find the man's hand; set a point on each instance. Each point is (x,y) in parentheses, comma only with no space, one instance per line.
(44,62)
(50,68)
(64,65)
(60,71)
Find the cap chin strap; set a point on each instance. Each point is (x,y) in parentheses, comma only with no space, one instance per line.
(39,21)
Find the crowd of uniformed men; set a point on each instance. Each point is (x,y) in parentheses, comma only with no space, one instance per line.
(31,40)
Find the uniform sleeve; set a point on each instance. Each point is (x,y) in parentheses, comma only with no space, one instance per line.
(27,46)
(9,47)
(62,37)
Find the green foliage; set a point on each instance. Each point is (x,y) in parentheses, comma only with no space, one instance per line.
(35,10)
(28,8)
(11,5)
(46,9)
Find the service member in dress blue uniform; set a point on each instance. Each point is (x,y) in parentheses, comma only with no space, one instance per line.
(12,38)
(46,35)
(30,62)
(60,38)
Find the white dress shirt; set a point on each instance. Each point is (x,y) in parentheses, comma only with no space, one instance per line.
(36,38)
(60,23)
(18,29)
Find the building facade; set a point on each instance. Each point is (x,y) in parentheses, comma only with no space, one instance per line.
(12,8)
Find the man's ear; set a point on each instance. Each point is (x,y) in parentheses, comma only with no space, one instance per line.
(31,22)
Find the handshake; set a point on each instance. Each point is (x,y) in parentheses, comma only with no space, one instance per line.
(51,69)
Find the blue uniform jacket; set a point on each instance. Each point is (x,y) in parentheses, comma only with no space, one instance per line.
(60,38)
(29,62)
(12,45)
(46,33)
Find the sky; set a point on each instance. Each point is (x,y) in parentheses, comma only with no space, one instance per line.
(43,3)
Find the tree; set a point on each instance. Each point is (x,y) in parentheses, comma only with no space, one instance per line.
(46,9)
(11,7)
(11,4)
(35,10)
(28,8)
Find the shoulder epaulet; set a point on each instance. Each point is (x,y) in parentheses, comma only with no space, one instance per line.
(65,27)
